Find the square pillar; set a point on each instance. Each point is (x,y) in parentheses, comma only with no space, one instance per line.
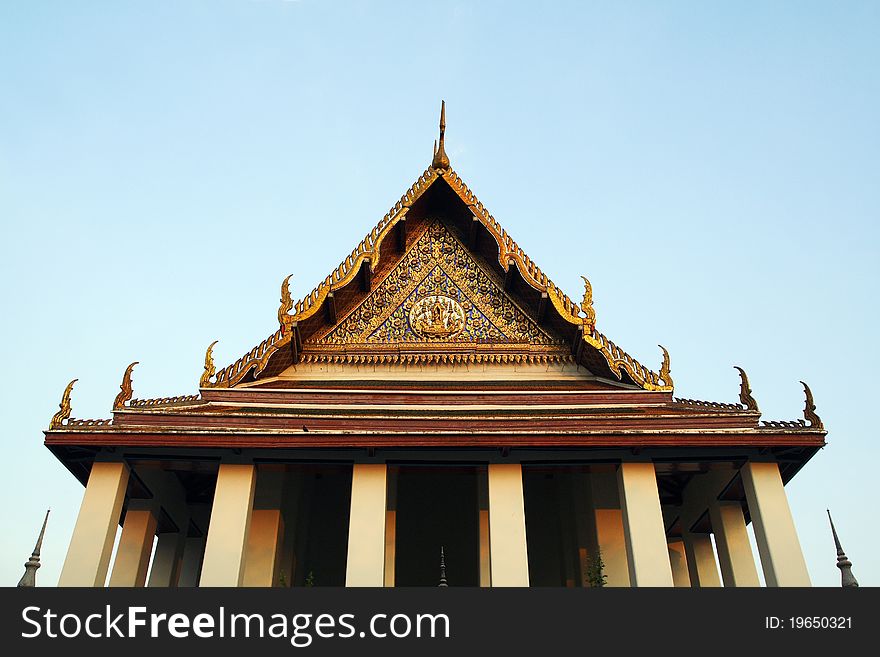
(732,540)
(266,532)
(643,525)
(391,528)
(483,518)
(604,527)
(678,561)
(135,545)
(778,544)
(191,565)
(88,555)
(702,568)
(507,526)
(223,563)
(366,529)
(167,560)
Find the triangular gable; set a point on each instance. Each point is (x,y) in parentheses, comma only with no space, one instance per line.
(436,294)
(588,346)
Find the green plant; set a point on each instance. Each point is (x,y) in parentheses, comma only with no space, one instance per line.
(310,579)
(595,570)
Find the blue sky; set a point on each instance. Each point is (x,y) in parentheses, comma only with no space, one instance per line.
(712,167)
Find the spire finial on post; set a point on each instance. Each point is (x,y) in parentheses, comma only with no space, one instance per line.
(441,161)
(29,579)
(442,568)
(847,579)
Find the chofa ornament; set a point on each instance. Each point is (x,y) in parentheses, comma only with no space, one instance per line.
(437,317)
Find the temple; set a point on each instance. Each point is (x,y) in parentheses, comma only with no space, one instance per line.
(436,391)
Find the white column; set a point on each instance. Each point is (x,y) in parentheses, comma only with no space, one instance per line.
(507,526)
(266,533)
(135,545)
(778,544)
(678,561)
(191,565)
(88,556)
(223,564)
(483,515)
(366,527)
(702,568)
(165,571)
(732,540)
(643,525)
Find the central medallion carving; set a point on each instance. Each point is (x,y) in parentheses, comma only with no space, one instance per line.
(437,317)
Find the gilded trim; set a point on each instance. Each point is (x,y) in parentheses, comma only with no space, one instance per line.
(125,388)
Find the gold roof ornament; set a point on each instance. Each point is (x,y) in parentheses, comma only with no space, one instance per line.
(587,305)
(63,413)
(745,392)
(205,381)
(125,389)
(810,409)
(441,161)
(286,301)
(665,374)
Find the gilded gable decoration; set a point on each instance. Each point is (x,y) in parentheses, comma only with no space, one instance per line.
(64,408)
(125,389)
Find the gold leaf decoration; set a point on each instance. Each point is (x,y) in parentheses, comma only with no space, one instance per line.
(63,413)
(745,392)
(286,301)
(125,389)
(587,304)
(810,409)
(205,381)
(664,368)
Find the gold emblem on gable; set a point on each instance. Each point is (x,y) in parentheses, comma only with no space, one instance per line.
(437,317)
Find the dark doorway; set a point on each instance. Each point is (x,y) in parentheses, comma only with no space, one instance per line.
(437,506)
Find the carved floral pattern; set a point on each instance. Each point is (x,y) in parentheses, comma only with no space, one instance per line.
(438,266)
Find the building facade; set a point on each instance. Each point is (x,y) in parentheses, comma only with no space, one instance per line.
(435,392)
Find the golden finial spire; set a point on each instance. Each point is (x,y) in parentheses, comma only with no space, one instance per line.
(205,381)
(63,408)
(125,389)
(810,409)
(664,368)
(745,392)
(286,300)
(587,304)
(441,161)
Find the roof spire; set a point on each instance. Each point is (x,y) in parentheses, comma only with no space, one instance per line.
(29,579)
(441,161)
(442,569)
(847,579)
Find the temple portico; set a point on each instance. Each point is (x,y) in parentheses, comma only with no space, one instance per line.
(436,392)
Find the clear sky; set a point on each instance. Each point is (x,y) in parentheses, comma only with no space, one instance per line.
(712,167)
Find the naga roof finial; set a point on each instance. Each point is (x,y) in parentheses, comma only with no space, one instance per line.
(441,161)
(210,370)
(810,409)
(587,305)
(125,389)
(29,578)
(63,408)
(665,374)
(286,300)
(745,391)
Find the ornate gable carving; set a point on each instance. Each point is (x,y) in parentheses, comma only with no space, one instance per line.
(437,295)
